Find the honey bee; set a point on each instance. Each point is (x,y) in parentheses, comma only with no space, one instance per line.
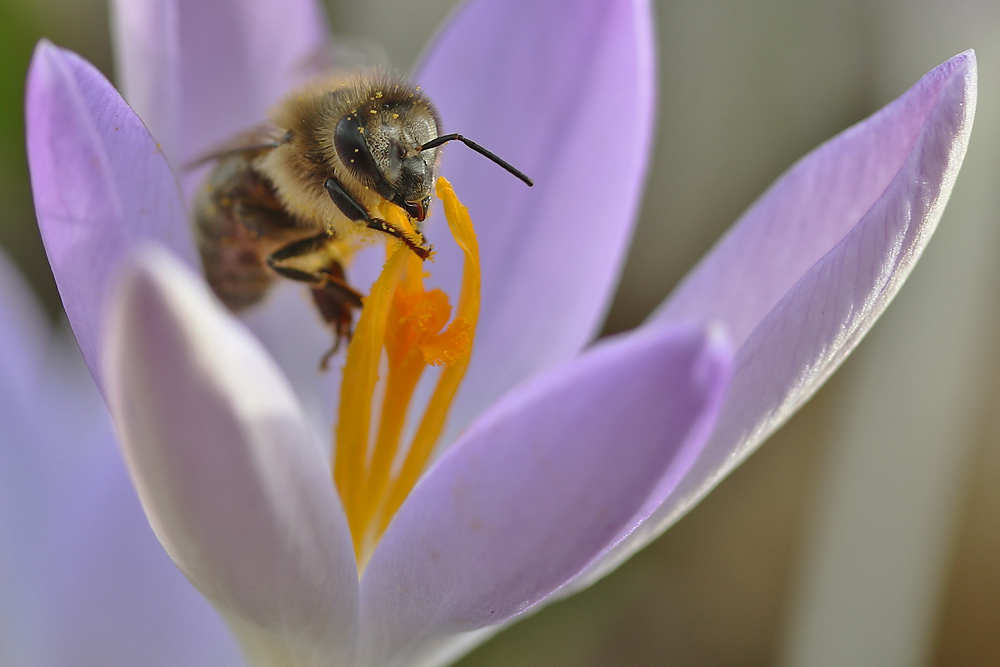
(293,197)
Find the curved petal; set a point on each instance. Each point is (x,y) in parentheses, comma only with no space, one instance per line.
(810,209)
(234,485)
(291,329)
(201,72)
(538,486)
(100,185)
(800,340)
(564,91)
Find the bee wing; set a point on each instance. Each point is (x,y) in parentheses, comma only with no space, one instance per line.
(257,139)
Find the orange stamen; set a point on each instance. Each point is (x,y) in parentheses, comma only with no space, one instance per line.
(407,322)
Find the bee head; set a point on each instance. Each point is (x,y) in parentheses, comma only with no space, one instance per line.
(381,145)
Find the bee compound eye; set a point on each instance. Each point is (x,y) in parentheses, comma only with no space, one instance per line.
(351,138)
(352,148)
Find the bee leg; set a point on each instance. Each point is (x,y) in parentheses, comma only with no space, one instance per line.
(347,204)
(304,261)
(301,260)
(350,207)
(418,246)
(336,302)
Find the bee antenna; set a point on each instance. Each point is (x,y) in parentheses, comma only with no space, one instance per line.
(445,138)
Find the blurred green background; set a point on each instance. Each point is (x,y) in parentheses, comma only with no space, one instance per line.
(867,531)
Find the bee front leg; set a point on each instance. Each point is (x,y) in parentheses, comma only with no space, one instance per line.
(414,242)
(353,209)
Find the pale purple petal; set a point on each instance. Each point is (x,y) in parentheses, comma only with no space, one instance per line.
(119,600)
(540,485)
(231,478)
(201,72)
(564,91)
(23,342)
(83,579)
(33,463)
(291,329)
(797,342)
(100,185)
(809,210)
(116,599)
(148,65)
(24,333)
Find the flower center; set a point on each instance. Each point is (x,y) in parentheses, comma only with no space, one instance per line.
(408,327)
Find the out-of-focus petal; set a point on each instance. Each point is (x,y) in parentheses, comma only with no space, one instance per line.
(231,478)
(120,600)
(63,490)
(23,342)
(201,72)
(100,185)
(291,329)
(148,66)
(538,486)
(566,93)
(24,334)
(791,342)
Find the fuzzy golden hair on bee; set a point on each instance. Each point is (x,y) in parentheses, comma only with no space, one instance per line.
(365,132)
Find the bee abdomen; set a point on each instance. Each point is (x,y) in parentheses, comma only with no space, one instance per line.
(235,272)
(238,222)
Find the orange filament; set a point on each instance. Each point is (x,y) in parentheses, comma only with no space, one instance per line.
(408,327)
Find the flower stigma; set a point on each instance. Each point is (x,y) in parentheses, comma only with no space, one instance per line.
(405,325)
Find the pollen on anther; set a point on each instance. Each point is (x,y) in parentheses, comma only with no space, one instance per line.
(371,489)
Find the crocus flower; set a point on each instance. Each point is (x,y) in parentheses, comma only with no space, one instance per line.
(559,459)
